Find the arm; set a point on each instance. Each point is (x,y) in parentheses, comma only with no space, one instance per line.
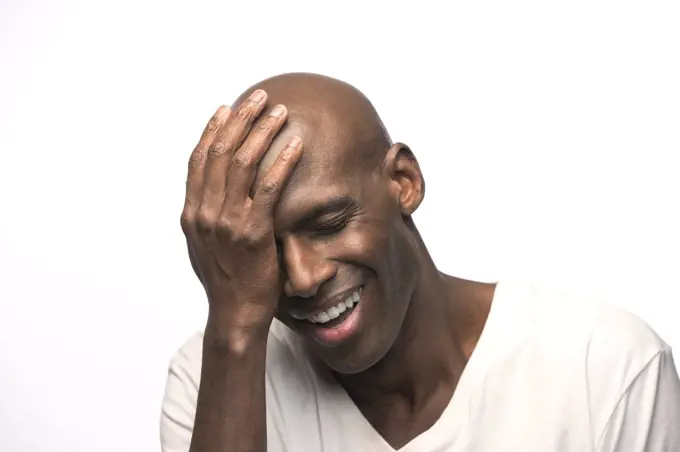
(226,397)
(647,417)
(178,408)
(230,236)
(231,411)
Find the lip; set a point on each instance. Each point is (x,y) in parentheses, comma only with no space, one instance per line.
(326,304)
(341,334)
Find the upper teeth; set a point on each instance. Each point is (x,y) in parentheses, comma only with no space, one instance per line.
(335,311)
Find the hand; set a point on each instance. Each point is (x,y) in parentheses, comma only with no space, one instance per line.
(230,235)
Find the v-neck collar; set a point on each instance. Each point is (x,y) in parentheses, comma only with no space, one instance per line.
(456,414)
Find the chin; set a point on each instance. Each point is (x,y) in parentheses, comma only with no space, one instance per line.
(360,340)
(348,366)
(360,358)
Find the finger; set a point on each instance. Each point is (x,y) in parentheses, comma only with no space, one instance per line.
(195,176)
(245,162)
(222,148)
(268,191)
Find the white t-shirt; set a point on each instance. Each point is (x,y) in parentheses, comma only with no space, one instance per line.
(550,373)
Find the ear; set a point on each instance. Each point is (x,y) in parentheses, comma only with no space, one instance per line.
(407,184)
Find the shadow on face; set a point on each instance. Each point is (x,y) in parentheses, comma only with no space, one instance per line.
(341,228)
(342,223)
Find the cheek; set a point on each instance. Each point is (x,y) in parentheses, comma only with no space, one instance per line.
(366,241)
(383,245)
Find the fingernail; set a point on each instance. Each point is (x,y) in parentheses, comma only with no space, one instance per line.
(295,142)
(278,111)
(257,96)
(289,150)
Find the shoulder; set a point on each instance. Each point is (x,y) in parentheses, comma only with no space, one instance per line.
(603,347)
(576,331)
(608,333)
(622,344)
(622,352)
(596,326)
(646,414)
(608,337)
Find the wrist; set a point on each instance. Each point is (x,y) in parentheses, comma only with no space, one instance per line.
(236,336)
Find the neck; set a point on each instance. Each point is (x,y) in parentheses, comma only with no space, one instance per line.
(442,325)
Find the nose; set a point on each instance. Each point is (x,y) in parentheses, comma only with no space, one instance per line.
(306,269)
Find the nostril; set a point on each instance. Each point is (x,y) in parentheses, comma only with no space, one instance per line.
(300,289)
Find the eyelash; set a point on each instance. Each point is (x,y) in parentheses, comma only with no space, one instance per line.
(331,227)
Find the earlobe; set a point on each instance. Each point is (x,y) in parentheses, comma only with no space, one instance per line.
(406,178)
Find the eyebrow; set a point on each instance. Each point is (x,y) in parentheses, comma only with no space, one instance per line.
(335,204)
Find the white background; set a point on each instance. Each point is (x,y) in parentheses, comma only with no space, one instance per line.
(548,135)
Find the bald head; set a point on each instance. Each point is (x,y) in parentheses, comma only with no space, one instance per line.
(343,220)
(337,123)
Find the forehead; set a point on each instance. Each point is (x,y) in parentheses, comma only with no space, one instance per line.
(301,200)
(315,183)
(312,186)
(328,148)
(327,165)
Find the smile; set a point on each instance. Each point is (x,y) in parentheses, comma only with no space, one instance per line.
(336,311)
(336,324)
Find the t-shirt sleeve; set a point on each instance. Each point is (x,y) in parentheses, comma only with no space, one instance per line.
(647,416)
(178,407)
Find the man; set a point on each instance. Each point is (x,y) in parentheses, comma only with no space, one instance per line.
(331,329)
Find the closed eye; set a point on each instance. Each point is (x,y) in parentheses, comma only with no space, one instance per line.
(331,226)
(328,218)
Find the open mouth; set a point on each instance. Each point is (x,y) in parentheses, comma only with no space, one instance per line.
(335,315)
(336,324)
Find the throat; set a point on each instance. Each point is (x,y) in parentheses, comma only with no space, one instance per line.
(398,420)
(402,405)
(407,391)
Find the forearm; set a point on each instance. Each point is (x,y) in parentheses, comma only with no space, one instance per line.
(231,410)
(232,246)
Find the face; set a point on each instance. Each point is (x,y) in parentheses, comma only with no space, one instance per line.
(347,254)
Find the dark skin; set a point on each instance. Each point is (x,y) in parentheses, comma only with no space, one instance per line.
(291,228)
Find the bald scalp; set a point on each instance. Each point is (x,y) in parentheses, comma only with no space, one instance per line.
(337,122)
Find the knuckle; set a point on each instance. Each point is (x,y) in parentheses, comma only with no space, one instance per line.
(205,221)
(217,149)
(252,237)
(226,227)
(214,124)
(269,186)
(244,112)
(197,157)
(186,221)
(242,160)
(267,125)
